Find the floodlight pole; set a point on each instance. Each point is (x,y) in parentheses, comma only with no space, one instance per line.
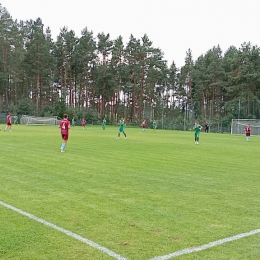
(238,114)
(162,112)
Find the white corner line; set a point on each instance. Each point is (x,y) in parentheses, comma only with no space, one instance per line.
(206,246)
(67,232)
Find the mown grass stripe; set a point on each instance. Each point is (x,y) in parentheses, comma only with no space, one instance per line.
(65,231)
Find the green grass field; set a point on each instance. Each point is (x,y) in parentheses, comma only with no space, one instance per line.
(147,196)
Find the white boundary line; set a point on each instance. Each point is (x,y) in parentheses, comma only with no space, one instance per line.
(206,246)
(119,257)
(67,232)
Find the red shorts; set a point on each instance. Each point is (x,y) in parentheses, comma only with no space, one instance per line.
(65,137)
(247,134)
(9,123)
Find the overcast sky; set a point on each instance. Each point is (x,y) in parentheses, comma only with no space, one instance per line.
(174,26)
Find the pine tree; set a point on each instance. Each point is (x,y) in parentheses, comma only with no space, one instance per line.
(6,24)
(85,62)
(119,71)
(38,63)
(64,49)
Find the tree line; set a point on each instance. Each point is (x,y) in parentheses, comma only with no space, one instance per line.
(97,77)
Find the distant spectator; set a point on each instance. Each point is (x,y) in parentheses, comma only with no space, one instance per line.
(206,127)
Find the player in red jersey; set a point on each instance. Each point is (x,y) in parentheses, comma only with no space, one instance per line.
(248,132)
(144,124)
(8,122)
(64,130)
(83,123)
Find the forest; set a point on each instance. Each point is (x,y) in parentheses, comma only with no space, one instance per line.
(96,77)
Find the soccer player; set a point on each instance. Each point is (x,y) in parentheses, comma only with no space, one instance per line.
(206,128)
(104,123)
(64,130)
(16,119)
(73,122)
(144,124)
(197,127)
(121,128)
(83,123)
(154,125)
(248,132)
(8,122)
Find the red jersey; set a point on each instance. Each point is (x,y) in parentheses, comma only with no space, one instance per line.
(144,124)
(8,119)
(64,126)
(83,122)
(247,129)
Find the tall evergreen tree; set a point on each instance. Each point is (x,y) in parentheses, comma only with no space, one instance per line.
(132,88)
(38,63)
(85,63)
(104,47)
(64,49)
(185,83)
(208,79)
(16,60)
(6,24)
(119,71)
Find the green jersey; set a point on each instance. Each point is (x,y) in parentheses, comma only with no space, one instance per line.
(197,129)
(73,122)
(15,119)
(121,125)
(154,124)
(104,122)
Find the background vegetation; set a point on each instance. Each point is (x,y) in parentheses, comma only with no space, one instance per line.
(96,77)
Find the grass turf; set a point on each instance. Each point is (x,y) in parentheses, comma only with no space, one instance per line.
(149,195)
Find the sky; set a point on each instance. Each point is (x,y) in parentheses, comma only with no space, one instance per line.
(174,26)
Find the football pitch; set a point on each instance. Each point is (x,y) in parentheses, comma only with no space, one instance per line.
(155,195)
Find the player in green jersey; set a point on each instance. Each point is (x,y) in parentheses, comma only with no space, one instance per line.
(197,127)
(73,122)
(121,128)
(16,120)
(154,125)
(104,123)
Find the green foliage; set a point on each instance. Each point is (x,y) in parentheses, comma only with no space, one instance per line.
(26,106)
(12,108)
(90,115)
(60,108)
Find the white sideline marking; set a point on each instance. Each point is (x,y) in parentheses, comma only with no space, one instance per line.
(67,232)
(206,246)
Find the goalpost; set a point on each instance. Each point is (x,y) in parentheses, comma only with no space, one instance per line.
(33,120)
(238,125)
